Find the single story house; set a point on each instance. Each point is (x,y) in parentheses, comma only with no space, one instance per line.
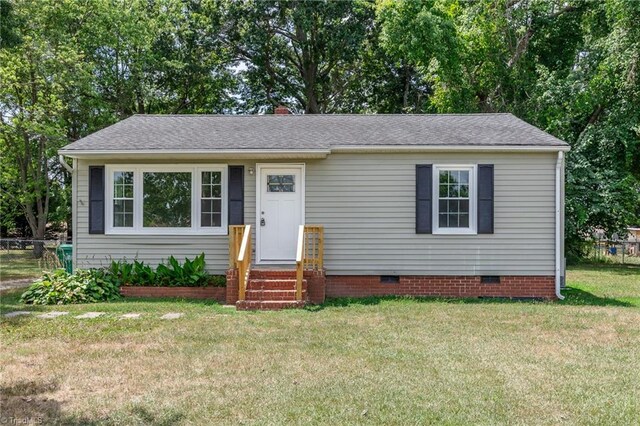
(467,205)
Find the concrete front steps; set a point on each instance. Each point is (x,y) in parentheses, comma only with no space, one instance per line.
(272,289)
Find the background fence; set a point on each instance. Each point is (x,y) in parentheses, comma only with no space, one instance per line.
(18,260)
(626,252)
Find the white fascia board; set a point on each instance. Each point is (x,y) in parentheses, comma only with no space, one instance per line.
(159,154)
(449,148)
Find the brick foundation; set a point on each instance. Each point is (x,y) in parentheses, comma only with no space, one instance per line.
(214,293)
(445,286)
(318,285)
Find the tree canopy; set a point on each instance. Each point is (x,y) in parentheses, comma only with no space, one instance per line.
(570,67)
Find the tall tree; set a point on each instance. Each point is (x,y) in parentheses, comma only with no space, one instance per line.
(36,74)
(192,73)
(421,38)
(301,53)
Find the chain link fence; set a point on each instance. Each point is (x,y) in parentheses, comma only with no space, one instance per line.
(614,250)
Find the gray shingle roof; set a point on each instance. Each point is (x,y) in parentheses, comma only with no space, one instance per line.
(310,132)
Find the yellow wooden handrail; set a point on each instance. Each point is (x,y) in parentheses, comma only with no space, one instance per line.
(235,240)
(240,255)
(309,254)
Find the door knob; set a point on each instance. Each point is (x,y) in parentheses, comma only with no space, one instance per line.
(262,222)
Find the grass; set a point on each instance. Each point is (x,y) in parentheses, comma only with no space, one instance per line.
(371,361)
(19,264)
(604,285)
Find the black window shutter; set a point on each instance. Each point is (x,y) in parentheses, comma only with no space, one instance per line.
(485,198)
(96,199)
(424,204)
(236,195)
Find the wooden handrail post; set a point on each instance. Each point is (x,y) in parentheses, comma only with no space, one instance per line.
(300,259)
(244,262)
(320,247)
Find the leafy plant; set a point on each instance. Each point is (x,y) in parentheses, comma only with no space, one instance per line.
(217,280)
(120,271)
(60,288)
(191,273)
(142,274)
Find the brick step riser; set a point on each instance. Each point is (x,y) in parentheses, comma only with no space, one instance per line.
(289,295)
(254,305)
(273,285)
(272,275)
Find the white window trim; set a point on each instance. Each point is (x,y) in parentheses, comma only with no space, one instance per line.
(196,180)
(473,199)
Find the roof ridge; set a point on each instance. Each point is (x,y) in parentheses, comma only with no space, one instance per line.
(479,114)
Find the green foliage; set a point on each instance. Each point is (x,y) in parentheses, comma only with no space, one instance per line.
(217,280)
(172,274)
(191,273)
(41,71)
(303,53)
(60,288)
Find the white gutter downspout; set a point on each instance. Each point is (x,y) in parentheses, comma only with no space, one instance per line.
(558,223)
(64,164)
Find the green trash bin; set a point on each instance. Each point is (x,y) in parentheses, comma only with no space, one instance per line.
(65,255)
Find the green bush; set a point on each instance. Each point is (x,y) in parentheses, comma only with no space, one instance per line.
(172,274)
(61,288)
(217,280)
(191,273)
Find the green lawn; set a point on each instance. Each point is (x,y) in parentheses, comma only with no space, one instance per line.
(373,361)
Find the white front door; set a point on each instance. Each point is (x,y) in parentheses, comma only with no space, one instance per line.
(280,212)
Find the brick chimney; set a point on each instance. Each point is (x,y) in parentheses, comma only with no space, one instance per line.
(281,110)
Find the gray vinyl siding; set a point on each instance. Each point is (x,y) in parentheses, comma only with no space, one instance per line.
(366,203)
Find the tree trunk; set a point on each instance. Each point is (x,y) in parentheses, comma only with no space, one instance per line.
(140,103)
(38,243)
(312,106)
(406,73)
(312,103)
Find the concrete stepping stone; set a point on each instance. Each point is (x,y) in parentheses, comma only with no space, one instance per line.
(53,314)
(130,316)
(17,314)
(89,315)
(171,315)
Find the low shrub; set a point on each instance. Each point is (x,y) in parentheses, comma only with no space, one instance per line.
(60,288)
(191,273)
(217,280)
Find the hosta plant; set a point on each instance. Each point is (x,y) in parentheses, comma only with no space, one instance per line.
(61,288)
